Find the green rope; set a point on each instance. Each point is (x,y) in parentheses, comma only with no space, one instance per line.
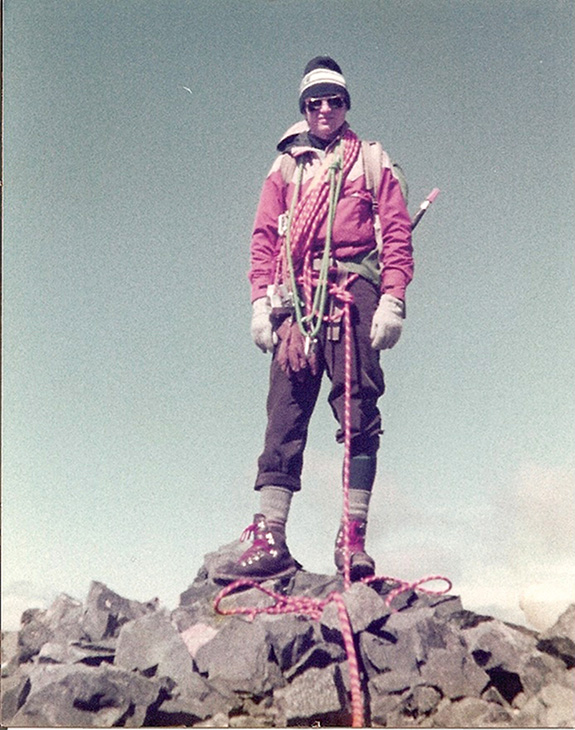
(310,324)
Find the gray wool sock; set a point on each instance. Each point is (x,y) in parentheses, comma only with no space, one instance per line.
(359,504)
(275,503)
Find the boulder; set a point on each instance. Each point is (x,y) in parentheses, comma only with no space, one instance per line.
(237,659)
(106,612)
(80,696)
(316,696)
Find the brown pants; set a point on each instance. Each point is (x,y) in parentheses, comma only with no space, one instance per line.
(291,401)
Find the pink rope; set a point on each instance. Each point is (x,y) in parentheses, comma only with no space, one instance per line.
(403,586)
(313,207)
(344,295)
(357,713)
(308,217)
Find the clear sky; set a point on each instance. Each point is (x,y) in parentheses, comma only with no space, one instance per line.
(133,396)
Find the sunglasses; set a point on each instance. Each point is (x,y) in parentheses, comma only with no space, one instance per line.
(334,102)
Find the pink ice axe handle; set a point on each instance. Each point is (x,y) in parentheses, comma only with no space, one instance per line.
(424,206)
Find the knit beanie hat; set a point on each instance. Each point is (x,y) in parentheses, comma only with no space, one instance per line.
(321,77)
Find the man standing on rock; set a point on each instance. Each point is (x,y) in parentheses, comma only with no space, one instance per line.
(314,248)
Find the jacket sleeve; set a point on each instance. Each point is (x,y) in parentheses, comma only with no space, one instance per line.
(396,256)
(265,241)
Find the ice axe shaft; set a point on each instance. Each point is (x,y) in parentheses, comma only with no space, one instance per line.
(424,206)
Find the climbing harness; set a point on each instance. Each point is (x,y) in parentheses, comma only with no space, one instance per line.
(309,317)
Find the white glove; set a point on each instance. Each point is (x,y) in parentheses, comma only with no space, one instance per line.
(261,328)
(387,323)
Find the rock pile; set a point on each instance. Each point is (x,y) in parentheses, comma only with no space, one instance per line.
(428,663)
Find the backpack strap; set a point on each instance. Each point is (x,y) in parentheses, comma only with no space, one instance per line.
(374,158)
(287,167)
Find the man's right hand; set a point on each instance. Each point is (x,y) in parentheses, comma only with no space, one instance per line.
(261,328)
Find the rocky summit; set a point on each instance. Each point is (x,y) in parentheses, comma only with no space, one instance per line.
(423,662)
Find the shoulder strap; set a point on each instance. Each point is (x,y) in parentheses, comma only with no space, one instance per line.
(374,158)
(287,167)
(372,153)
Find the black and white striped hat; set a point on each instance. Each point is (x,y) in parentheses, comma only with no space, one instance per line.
(321,77)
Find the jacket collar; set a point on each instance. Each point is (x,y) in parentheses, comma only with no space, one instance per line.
(296,140)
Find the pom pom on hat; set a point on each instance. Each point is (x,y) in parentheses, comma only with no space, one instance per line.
(322,76)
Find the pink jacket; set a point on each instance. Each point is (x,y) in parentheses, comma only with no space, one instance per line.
(352,233)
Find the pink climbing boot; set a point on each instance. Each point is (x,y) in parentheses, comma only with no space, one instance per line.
(361,564)
(268,557)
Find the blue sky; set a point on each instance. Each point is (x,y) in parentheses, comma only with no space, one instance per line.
(133,397)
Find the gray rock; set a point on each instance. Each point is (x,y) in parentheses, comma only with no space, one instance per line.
(471,712)
(559,702)
(63,617)
(559,640)
(364,607)
(79,696)
(445,605)
(538,670)
(212,561)
(384,704)
(59,624)
(198,700)
(106,612)
(313,696)
(153,647)
(291,638)
(392,682)
(532,714)
(314,585)
(454,670)
(564,626)
(54,653)
(410,708)
(95,653)
(10,653)
(375,653)
(34,633)
(427,662)
(237,659)
(196,636)
(320,655)
(497,644)
(15,690)
(423,700)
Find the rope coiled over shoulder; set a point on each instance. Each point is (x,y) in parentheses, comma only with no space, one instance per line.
(312,208)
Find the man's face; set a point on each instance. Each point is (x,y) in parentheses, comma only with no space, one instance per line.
(325,115)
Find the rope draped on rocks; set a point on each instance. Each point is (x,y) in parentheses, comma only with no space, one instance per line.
(296,260)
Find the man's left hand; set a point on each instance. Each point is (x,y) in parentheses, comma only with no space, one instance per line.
(387,323)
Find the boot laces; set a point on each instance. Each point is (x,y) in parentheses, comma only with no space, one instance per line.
(248,532)
(260,541)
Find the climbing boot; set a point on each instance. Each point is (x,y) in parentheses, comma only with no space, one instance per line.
(361,564)
(267,558)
